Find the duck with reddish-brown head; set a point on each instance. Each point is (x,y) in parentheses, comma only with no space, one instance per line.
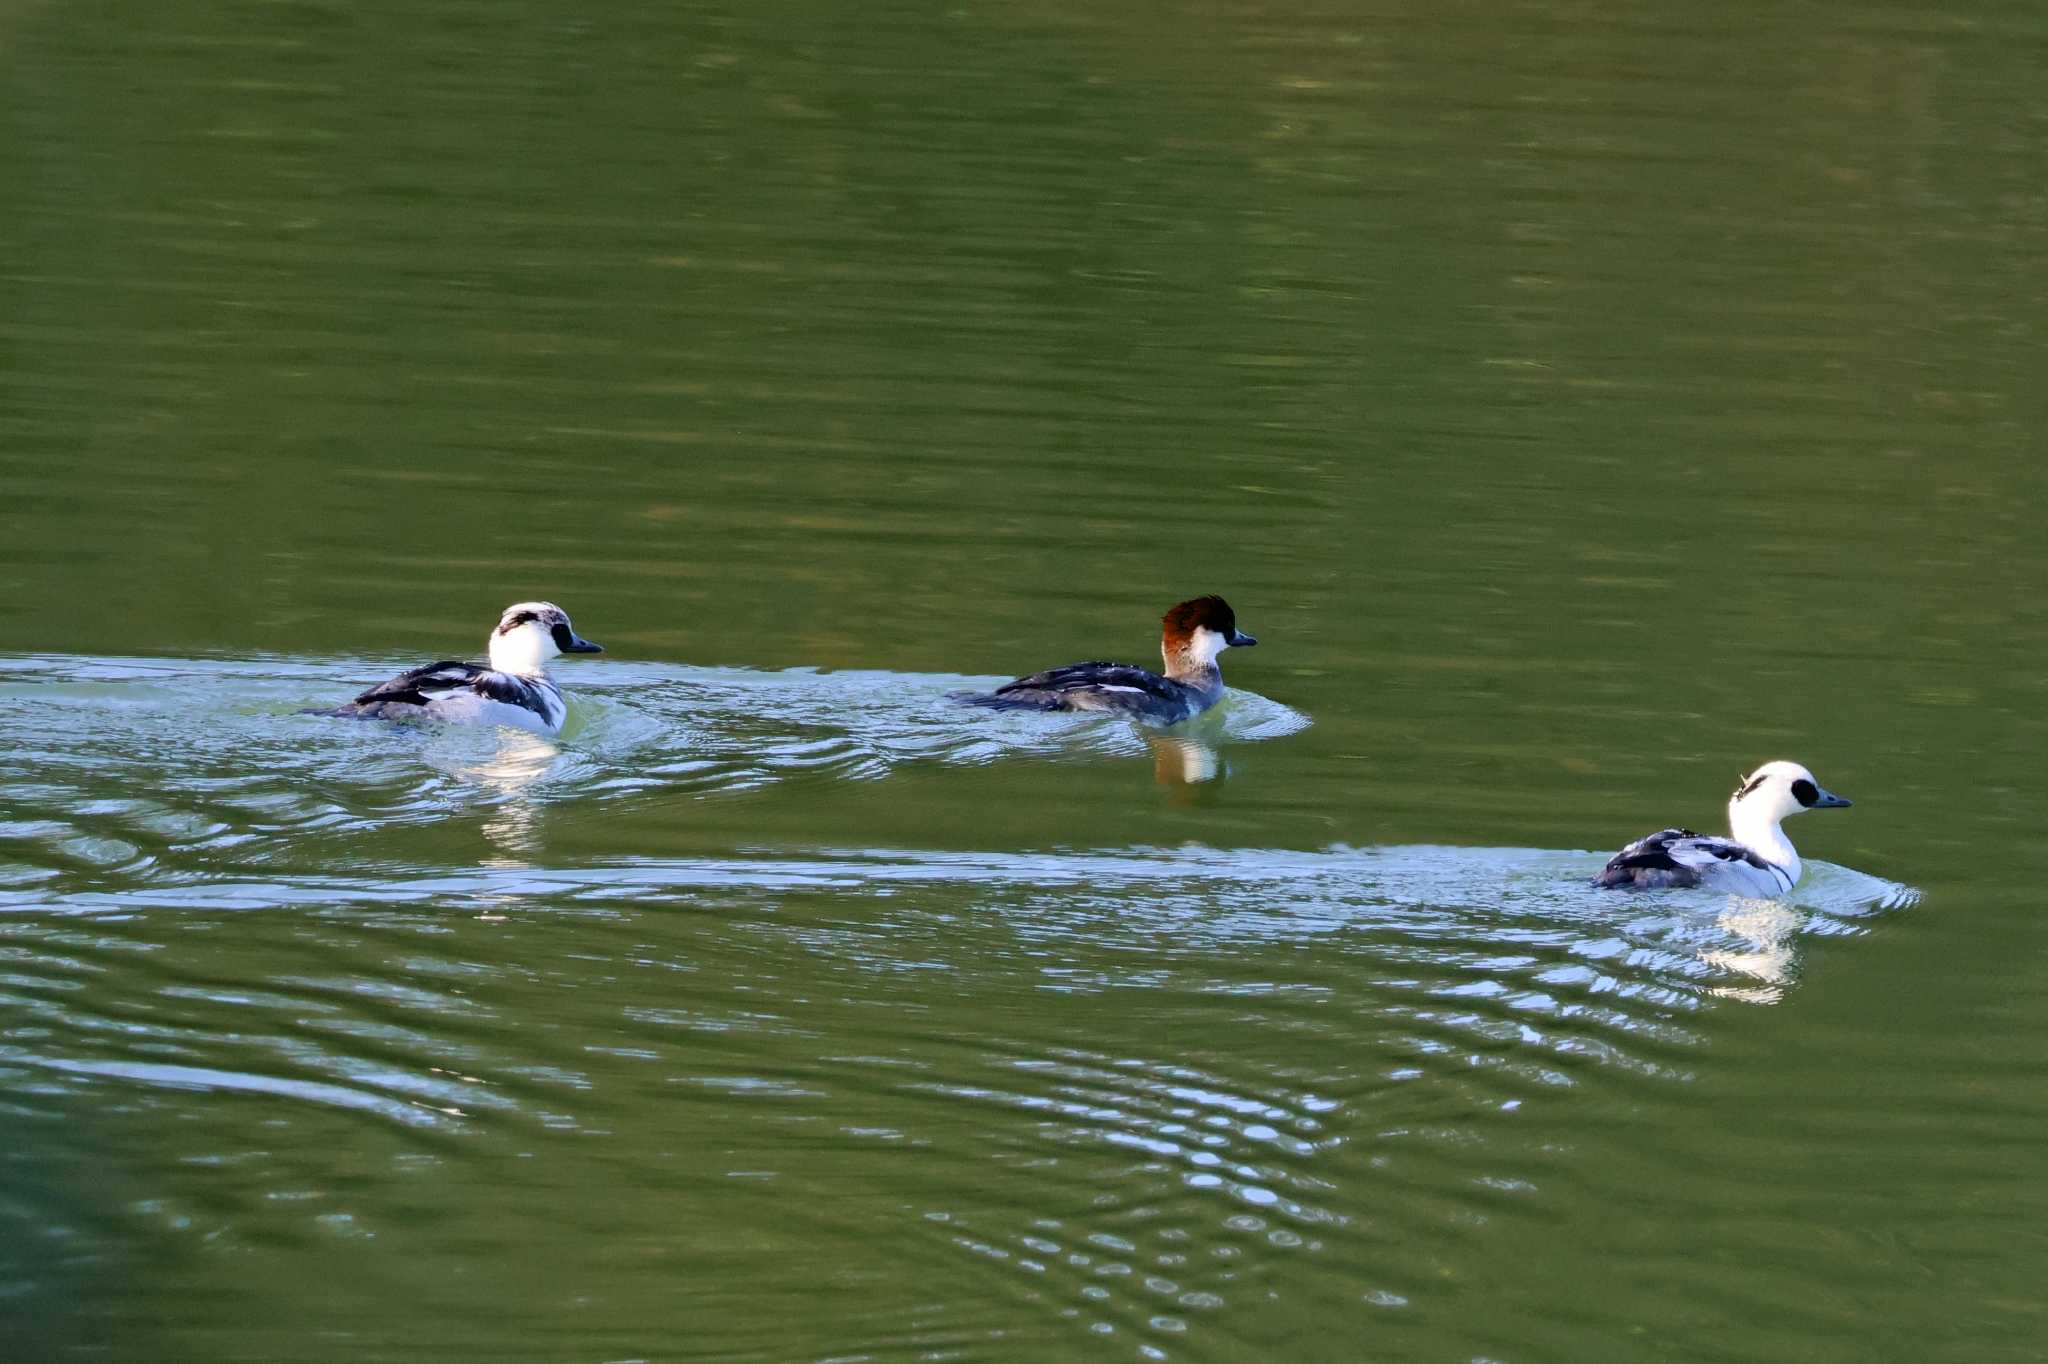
(1191,637)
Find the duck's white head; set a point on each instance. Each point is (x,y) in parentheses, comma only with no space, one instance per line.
(532,632)
(1193,633)
(1765,798)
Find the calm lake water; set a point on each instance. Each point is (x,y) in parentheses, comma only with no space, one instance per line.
(1581,404)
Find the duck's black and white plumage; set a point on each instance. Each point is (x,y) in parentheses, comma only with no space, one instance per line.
(1757,860)
(514,690)
(1191,636)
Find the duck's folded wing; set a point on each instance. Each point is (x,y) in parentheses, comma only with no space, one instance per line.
(1700,852)
(421,685)
(1653,852)
(1078,677)
(1681,850)
(1081,686)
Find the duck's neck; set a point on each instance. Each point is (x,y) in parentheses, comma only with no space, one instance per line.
(1191,660)
(519,653)
(1765,834)
(1184,668)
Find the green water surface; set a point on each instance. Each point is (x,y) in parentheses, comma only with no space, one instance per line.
(1582,404)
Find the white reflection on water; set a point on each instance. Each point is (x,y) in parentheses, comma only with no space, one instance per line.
(508,764)
(1760,949)
(1179,760)
(413,1113)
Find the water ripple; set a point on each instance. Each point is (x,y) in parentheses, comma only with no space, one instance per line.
(234,770)
(1210,1070)
(1200,1072)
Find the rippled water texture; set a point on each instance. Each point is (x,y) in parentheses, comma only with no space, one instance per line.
(1580,405)
(222,767)
(755,1032)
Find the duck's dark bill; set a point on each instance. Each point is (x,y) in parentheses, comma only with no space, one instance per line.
(569,642)
(1240,640)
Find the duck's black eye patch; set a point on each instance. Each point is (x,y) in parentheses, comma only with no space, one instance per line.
(1805,792)
(562,636)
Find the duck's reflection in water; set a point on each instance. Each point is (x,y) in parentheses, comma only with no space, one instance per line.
(510,769)
(1181,760)
(1763,953)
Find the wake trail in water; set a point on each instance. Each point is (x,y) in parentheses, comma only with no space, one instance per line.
(214,761)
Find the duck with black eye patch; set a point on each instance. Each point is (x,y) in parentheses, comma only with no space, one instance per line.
(514,690)
(1757,859)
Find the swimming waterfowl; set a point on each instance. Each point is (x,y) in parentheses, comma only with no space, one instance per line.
(1191,636)
(1757,860)
(514,690)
